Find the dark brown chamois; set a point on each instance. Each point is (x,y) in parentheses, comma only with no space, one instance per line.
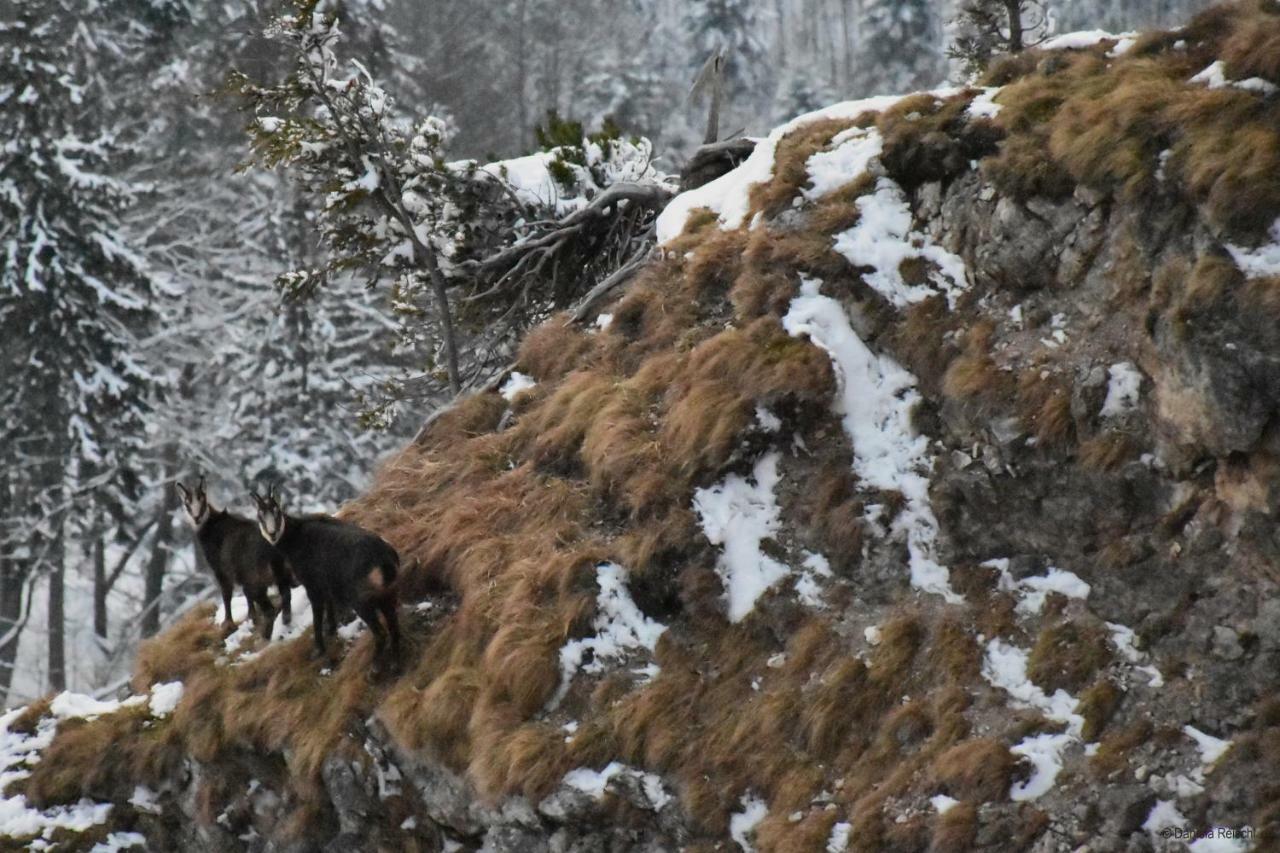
(237,554)
(341,565)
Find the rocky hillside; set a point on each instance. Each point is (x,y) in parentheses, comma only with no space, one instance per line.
(920,497)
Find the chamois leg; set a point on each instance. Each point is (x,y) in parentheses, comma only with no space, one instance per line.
(368,612)
(227,590)
(266,611)
(332,625)
(280,572)
(318,605)
(388,605)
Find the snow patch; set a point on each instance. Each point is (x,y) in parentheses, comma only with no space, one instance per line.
(119,841)
(838,841)
(739,514)
(596,782)
(839,166)
(943,803)
(1261,262)
(1215,77)
(729,195)
(883,239)
(165,697)
(1035,589)
(984,104)
(877,397)
(1122,637)
(808,588)
(1123,390)
(1163,815)
(1005,666)
(1044,751)
(1083,39)
(1211,748)
(515,384)
(742,824)
(619,626)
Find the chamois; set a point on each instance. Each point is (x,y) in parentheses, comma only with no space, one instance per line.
(238,555)
(339,564)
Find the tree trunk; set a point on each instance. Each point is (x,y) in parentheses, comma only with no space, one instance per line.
(1014,8)
(100,588)
(12,581)
(57,615)
(522,68)
(159,562)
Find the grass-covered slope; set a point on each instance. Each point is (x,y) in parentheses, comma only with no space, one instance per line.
(918,498)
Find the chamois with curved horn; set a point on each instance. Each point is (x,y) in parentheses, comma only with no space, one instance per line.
(237,554)
(341,565)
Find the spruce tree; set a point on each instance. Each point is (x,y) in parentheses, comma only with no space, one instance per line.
(74,299)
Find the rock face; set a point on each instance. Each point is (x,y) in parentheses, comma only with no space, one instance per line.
(920,497)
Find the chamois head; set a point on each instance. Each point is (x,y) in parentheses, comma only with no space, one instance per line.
(196,502)
(270,516)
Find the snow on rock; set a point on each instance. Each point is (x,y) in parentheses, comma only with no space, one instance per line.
(1083,39)
(743,823)
(1035,589)
(604,321)
(1044,751)
(984,104)
(838,841)
(767,420)
(19,750)
(943,803)
(1123,46)
(883,239)
(808,588)
(1123,637)
(1005,666)
(619,626)
(729,195)
(145,800)
(165,697)
(851,152)
(1215,77)
(1123,390)
(68,705)
(596,782)
(739,514)
(1163,815)
(1211,748)
(119,841)
(876,399)
(1261,262)
(515,383)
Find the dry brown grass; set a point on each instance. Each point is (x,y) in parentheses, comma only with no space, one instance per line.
(1112,757)
(791,172)
(931,139)
(974,373)
(830,514)
(978,771)
(601,461)
(1044,403)
(552,349)
(1067,655)
(1097,705)
(1107,451)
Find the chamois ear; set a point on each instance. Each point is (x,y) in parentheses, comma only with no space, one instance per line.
(200,486)
(182,490)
